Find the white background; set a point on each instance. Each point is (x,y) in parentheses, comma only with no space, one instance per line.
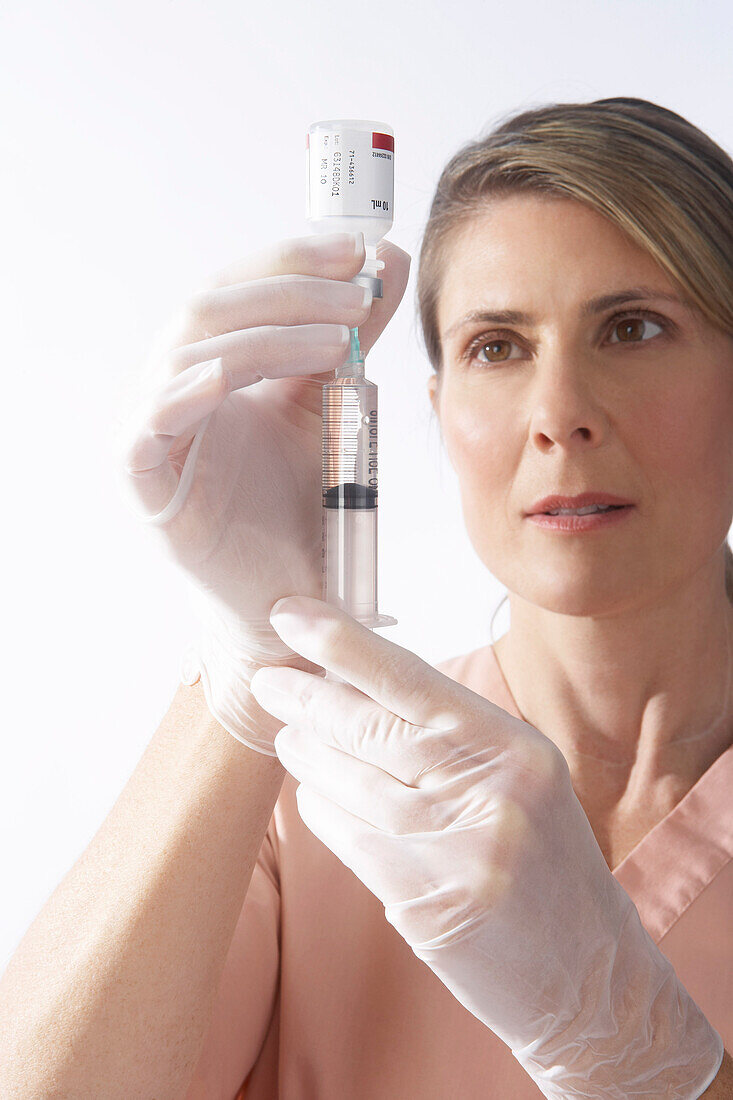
(145,145)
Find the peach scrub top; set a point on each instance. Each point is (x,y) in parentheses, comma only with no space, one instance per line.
(321,999)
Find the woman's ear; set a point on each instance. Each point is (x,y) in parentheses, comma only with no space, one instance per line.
(434,393)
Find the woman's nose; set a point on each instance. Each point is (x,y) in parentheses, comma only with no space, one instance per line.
(564,410)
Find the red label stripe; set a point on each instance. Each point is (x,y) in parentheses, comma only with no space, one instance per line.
(383,141)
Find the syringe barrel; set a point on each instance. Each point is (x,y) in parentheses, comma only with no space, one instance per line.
(350,497)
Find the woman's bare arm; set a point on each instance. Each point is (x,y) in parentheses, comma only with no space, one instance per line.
(111,990)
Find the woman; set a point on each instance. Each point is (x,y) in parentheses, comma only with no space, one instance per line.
(211,958)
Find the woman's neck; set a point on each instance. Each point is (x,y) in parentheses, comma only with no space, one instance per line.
(640,702)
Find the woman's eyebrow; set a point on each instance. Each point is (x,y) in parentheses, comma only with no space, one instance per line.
(587,309)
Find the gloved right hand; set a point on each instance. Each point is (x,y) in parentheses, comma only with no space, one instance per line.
(222,457)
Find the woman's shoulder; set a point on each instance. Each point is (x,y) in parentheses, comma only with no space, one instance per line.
(464,664)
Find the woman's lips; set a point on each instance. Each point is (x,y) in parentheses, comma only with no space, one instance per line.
(573,524)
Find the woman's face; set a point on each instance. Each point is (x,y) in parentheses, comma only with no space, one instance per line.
(622,401)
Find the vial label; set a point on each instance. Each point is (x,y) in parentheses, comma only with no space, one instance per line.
(349,172)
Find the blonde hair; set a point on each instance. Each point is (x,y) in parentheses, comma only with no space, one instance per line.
(651,172)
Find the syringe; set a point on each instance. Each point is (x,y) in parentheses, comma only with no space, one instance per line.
(350,455)
(350,186)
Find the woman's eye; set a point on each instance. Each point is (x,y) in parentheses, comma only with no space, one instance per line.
(497,350)
(631,330)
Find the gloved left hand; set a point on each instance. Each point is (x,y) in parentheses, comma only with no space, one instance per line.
(463,821)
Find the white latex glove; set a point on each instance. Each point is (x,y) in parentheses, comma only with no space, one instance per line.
(463,821)
(223,457)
